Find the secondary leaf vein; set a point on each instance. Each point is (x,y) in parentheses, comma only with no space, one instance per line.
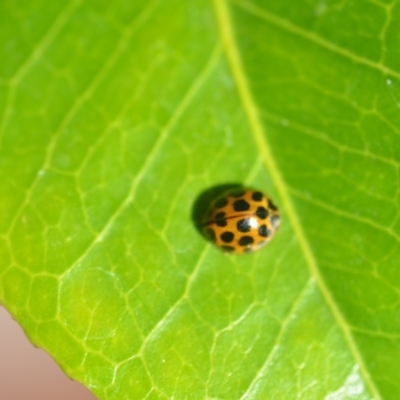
(187,99)
(38,50)
(312,37)
(76,106)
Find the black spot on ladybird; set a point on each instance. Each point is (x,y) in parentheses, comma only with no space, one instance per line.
(262,212)
(263,231)
(241,205)
(243,225)
(257,196)
(227,237)
(221,222)
(271,205)
(246,240)
(220,215)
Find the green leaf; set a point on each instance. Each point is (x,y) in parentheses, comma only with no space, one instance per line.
(117,116)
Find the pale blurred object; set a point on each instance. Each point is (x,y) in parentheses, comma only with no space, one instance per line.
(30,373)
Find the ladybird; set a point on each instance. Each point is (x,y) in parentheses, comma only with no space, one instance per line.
(241,220)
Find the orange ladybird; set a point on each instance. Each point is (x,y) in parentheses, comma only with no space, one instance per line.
(241,221)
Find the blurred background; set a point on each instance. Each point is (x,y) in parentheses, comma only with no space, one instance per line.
(29,373)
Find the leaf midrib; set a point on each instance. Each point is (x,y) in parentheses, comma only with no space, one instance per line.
(230,46)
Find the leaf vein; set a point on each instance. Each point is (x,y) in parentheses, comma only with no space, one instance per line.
(187,99)
(38,50)
(341,212)
(234,60)
(73,110)
(313,37)
(328,139)
(251,390)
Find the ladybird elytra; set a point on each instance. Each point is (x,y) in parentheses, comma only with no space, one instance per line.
(241,220)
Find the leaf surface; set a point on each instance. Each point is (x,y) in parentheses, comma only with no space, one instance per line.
(117,116)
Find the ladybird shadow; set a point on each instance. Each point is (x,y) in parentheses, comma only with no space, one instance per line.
(203,201)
